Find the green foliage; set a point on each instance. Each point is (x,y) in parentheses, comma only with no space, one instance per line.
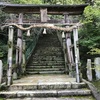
(97,3)
(3,49)
(63,1)
(94,51)
(1,54)
(90,32)
(92,14)
(1,99)
(27,1)
(48,1)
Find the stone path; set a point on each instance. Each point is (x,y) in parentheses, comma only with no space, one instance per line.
(36,79)
(47,87)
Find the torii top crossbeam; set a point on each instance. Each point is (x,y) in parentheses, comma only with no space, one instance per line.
(51,9)
(43,10)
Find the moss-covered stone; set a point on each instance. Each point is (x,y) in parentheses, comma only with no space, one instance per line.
(97,84)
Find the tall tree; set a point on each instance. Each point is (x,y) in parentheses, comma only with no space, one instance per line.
(90,33)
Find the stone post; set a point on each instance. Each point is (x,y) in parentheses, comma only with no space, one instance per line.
(97,67)
(1,71)
(89,70)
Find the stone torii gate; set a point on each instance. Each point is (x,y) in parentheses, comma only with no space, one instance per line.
(43,11)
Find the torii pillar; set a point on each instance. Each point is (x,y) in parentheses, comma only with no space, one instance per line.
(19,47)
(69,47)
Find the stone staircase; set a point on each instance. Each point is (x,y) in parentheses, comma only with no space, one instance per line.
(48,81)
(58,90)
(48,57)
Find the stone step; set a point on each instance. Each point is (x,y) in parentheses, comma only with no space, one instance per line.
(52,48)
(49,39)
(53,54)
(48,59)
(46,93)
(42,47)
(45,72)
(39,67)
(48,43)
(49,51)
(45,69)
(46,64)
(55,48)
(52,37)
(48,86)
(47,47)
(47,56)
(56,98)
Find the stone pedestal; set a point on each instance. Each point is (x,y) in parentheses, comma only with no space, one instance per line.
(89,70)
(97,67)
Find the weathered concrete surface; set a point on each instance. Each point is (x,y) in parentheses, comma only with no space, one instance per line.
(65,98)
(37,79)
(46,82)
(47,93)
